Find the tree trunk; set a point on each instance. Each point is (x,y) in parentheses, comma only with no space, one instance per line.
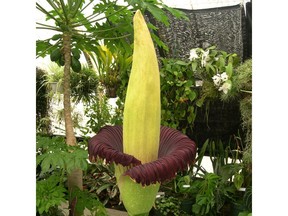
(75,178)
(70,136)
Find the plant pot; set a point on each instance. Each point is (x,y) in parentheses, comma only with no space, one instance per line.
(186,206)
(224,120)
(155,212)
(56,87)
(236,209)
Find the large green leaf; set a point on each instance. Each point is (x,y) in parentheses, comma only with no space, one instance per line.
(176,13)
(229,69)
(43,48)
(49,193)
(157,13)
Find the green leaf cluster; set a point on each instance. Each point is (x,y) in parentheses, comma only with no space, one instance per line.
(178,94)
(84,84)
(55,154)
(49,194)
(168,206)
(43,123)
(205,199)
(86,199)
(111,63)
(55,160)
(99,114)
(187,84)
(102,181)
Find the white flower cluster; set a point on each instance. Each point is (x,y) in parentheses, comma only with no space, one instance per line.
(222,82)
(204,56)
(193,54)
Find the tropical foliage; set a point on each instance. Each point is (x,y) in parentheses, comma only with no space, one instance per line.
(55,160)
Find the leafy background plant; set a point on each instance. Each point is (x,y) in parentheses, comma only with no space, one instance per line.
(84,84)
(55,160)
(43,123)
(100,180)
(168,206)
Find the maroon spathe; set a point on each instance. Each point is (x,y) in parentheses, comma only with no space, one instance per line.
(176,152)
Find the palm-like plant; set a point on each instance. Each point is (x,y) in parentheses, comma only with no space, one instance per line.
(65,49)
(109,66)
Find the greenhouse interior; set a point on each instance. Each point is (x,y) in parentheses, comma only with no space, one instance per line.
(143,108)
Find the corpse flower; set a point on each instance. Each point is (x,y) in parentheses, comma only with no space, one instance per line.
(144,153)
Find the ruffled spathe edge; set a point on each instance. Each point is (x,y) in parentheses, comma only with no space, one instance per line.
(176,152)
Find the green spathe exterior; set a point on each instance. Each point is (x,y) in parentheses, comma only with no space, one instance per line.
(138,199)
(142,112)
(142,116)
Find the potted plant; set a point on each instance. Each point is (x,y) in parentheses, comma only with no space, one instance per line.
(109,65)
(55,78)
(84,83)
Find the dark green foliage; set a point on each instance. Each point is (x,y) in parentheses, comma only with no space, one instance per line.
(42,103)
(56,37)
(248,198)
(53,154)
(169,206)
(43,48)
(100,180)
(244,76)
(86,199)
(244,72)
(101,113)
(54,161)
(50,194)
(205,199)
(84,85)
(178,93)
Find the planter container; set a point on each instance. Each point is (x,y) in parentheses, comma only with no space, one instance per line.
(56,87)
(186,206)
